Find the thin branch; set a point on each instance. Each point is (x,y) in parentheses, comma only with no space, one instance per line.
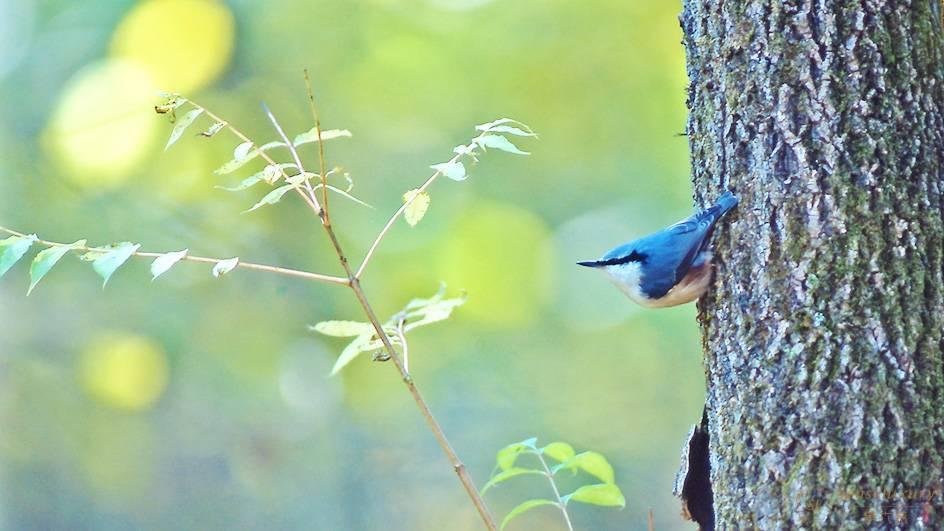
(560,501)
(321,154)
(190,258)
(431,421)
(298,162)
(353,282)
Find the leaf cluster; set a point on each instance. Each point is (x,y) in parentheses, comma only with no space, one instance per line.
(416,313)
(604,492)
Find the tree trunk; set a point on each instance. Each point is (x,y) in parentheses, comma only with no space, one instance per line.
(823,332)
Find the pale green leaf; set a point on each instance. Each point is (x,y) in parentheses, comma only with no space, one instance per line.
(213,129)
(46,259)
(455,170)
(345,194)
(312,135)
(182,124)
(360,344)
(500,121)
(12,249)
(106,263)
(603,494)
(559,451)
(162,263)
(508,474)
(499,142)
(592,463)
(508,455)
(464,150)
(511,130)
(239,162)
(225,266)
(272,197)
(434,312)
(417,203)
(524,507)
(419,303)
(269,174)
(343,328)
(242,151)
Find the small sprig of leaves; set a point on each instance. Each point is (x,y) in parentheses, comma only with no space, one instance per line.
(107,259)
(491,135)
(417,313)
(603,493)
(288,173)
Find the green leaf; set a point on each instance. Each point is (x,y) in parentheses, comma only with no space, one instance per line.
(455,170)
(499,142)
(508,474)
(269,174)
(213,129)
(508,455)
(345,194)
(526,506)
(242,151)
(343,328)
(106,263)
(162,263)
(590,462)
(182,124)
(225,266)
(432,313)
(312,135)
(511,130)
(603,494)
(417,203)
(419,303)
(272,197)
(45,261)
(12,249)
(560,451)
(239,162)
(500,121)
(363,343)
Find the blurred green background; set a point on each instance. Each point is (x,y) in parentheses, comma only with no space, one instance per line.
(202,403)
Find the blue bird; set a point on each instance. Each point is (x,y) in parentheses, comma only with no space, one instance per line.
(670,267)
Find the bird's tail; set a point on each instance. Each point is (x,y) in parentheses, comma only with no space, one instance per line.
(712,214)
(726,202)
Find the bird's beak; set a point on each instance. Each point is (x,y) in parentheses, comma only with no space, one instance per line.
(590,263)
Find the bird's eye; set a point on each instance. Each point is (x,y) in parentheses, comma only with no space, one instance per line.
(636,257)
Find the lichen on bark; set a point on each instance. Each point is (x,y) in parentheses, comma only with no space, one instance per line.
(823,331)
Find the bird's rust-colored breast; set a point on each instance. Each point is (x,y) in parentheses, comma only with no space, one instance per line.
(692,286)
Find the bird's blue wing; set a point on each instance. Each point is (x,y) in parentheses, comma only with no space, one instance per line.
(679,246)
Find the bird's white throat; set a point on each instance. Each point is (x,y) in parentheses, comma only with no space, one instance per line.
(627,278)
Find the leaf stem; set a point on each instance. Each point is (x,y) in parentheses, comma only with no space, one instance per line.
(560,501)
(321,153)
(396,215)
(245,265)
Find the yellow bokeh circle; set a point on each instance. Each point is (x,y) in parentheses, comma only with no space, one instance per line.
(183,44)
(503,256)
(103,124)
(124,371)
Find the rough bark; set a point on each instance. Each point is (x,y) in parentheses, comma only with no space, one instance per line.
(823,332)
